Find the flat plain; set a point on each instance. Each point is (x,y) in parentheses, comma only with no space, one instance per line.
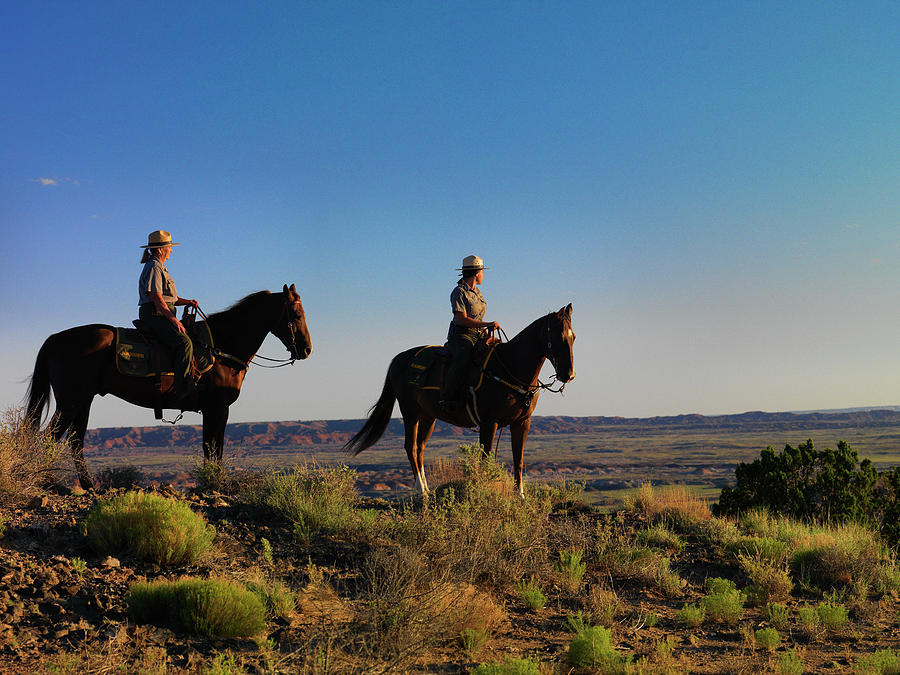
(609,456)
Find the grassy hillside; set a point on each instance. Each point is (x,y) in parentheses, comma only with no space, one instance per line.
(293,572)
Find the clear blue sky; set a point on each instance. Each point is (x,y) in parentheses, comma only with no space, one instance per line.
(713,185)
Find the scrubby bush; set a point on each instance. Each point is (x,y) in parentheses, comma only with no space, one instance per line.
(29,457)
(205,607)
(124,477)
(591,647)
(777,615)
(531,594)
(603,604)
(312,498)
(767,638)
(691,615)
(881,662)
(165,531)
(725,603)
(511,666)
(789,663)
(274,595)
(811,485)
(674,504)
(660,536)
(570,569)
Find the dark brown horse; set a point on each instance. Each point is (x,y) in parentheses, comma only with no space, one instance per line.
(507,395)
(78,364)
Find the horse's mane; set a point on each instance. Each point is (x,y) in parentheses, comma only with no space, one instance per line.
(242,304)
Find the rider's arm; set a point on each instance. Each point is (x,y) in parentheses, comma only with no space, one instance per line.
(462,320)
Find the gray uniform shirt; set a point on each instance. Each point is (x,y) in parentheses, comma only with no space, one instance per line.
(470,302)
(155,278)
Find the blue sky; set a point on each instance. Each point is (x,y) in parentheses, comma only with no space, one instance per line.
(713,185)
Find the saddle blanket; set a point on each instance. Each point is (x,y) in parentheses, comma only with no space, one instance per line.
(134,351)
(426,370)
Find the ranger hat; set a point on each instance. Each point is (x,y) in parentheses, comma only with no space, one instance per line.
(472,262)
(159,239)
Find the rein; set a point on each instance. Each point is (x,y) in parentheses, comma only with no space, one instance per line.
(525,389)
(245,365)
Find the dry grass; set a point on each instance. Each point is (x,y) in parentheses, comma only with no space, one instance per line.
(674,504)
(29,458)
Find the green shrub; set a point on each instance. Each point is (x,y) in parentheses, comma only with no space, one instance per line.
(473,640)
(204,607)
(767,638)
(804,483)
(772,579)
(591,648)
(148,526)
(718,585)
(531,594)
(777,615)
(832,617)
(659,536)
(790,664)
(314,499)
(570,569)
(759,548)
(882,662)
(725,603)
(691,615)
(274,595)
(511,666)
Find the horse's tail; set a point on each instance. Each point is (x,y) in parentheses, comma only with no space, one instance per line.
(379,418)
(39,387)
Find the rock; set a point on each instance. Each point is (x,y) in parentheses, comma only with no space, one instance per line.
(109,561)
(38,502)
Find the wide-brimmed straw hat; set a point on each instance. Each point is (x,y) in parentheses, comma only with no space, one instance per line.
(472,262)
(159,239)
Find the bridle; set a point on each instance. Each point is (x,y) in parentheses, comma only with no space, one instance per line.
(528,390)
(280,363)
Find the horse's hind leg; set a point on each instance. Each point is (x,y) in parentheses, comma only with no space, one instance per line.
(411,427)
(70,425)
(426,426)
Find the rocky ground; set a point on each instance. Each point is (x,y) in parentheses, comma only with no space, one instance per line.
(62,606)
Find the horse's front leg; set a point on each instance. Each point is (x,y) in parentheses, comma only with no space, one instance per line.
(215,418)
(486,434)
(518,432)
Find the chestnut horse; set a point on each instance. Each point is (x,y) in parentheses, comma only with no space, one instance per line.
(507,395)
(79,363)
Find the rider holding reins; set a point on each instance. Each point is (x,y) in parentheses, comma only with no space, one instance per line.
(469,307)
(158,299)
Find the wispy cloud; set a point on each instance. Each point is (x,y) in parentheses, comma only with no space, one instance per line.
(53,182)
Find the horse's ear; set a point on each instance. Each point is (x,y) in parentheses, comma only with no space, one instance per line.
(565,312)
(285,289)
(569,310)
(293,288)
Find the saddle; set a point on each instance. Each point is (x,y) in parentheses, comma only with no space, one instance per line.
(139,354)
(426,370)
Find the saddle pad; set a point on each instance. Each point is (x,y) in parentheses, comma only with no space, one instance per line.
(133,352)
(421,372)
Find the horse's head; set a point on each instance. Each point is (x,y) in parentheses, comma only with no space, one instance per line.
(559,343)
(291,327)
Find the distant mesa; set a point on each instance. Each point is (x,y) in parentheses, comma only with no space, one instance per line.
(337,432)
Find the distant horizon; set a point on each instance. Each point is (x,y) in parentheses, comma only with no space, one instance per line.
(835,411)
